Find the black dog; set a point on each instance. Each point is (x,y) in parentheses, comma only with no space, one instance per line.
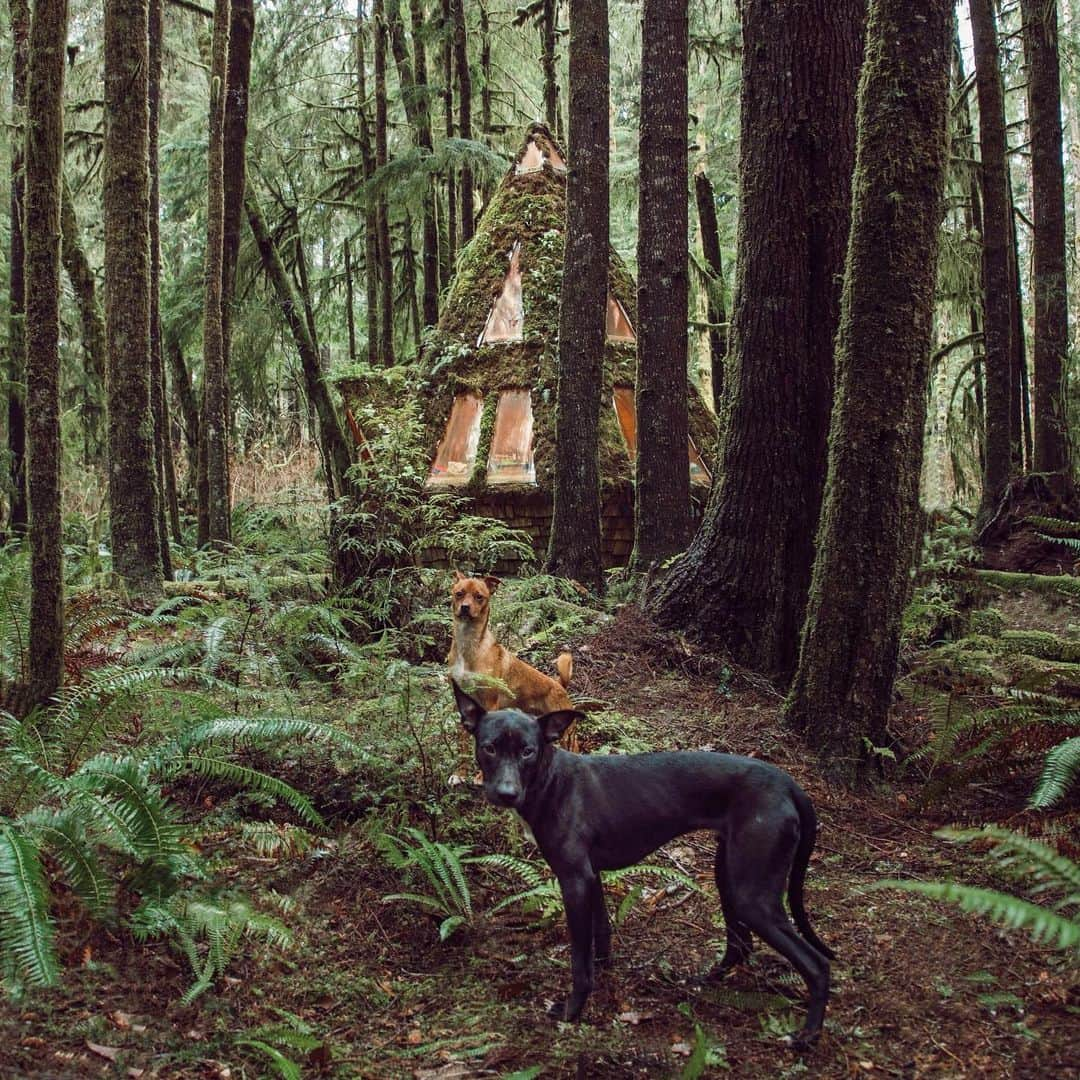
(593,813)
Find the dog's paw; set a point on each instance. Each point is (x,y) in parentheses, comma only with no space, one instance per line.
(801,1041)
(561,1011)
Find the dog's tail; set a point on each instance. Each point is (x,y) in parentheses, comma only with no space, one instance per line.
(807,837)
(564,665)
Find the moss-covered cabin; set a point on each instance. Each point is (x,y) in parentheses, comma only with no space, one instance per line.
(489,368)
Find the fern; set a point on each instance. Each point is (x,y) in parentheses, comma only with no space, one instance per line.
(26,933)
(441,866)
(1042,868)
(1061,770)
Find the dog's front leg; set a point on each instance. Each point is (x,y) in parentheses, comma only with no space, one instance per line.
(579,891)
(601,927)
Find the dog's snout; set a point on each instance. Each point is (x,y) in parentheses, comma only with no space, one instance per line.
(465,609)
(507,794)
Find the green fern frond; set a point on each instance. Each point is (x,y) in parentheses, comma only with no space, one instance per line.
(26,932)
(65,835)
(1061,770)
(139,804)
(251,780)
(1011,848)
(1044,926)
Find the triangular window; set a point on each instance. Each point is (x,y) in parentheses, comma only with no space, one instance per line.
(618,322)
(511,457)
(626,411)
(456,456)
(534,157)
(504,322)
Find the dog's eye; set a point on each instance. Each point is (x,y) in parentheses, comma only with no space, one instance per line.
(458,595)
(488,749)
(529,752)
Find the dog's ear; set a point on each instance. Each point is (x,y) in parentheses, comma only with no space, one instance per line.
(553,724)
(458,576)
(492,583)
(471,711)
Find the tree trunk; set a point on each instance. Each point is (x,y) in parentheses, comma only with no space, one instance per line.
(662,467)
(44,158)
(448,121)
(91,320)
(414,89)
(1051,341)
(847,664)
(742,585)
(136,550)
(461,63)
(334,444)
(189,409)
(234,180)
(350,318)
(371,240)
(386,261)
(547,63)
(574,545)
(996,240)
(1020,414)
(717,314)
(157,366)
(16,388)
(214,429)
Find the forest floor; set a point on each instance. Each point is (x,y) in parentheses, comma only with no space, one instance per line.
(369,990)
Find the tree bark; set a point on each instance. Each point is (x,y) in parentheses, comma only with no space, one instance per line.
(44,157)
(91,319)
(662,467)
(214,429)
(574,545)
(367,158)
(742,585)
(386,261)
(157,366)
(412,78)
(185,394)
(350,317)
(547,63)
(136,549)
(847,664)
(334,444)
(1051,339)
(448,122)
(996,240)
(18,516)
(717,314)
(464,82)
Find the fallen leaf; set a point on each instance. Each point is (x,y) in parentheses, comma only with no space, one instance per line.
(121,1020)
(415,1038)
(135,1073)
(682,1048)
(109,1052)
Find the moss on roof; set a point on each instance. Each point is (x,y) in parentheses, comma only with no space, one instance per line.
(528,209)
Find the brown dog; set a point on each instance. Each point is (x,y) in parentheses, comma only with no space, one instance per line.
(474,651)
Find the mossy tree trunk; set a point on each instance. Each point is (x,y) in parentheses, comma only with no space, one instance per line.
(1020,413)
(742,585)
(333,442)
(16,370)
(547,63)
(367,160)
(574,544)
(464,85)
(662,467)
(234,180)
(996,242)
(412,78)
(717,313)
(136,550)
(847,663)
(157,365)
(44,158)
(214,430)
(1051,340)
(91,321)
(382,210)
(448,130)
(185,395)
